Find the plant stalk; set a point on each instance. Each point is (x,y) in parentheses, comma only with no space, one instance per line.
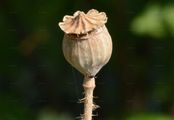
(88,85)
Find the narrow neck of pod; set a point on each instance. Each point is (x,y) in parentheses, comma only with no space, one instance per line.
(89,83)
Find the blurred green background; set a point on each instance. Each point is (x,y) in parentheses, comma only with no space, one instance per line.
(36,83)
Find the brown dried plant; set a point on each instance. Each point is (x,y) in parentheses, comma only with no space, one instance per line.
(87,46)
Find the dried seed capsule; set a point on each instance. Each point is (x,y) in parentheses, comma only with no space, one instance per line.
(87,45)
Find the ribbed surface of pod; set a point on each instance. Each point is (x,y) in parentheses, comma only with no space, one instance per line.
(88,53)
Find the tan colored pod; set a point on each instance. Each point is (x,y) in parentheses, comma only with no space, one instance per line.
(87,45)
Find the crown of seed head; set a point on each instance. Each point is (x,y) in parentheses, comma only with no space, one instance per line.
(81,23)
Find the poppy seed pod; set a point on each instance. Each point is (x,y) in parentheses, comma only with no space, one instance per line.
(87,44)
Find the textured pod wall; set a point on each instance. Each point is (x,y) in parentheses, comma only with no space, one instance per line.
(87,45)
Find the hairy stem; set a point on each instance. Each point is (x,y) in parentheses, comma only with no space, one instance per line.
(88,85)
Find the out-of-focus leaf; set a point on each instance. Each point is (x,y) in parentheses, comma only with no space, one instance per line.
(168,16)
(52,115)
(149,22)
(149,117)
(156,21)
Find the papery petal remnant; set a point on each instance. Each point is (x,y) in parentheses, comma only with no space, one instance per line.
(81,23)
